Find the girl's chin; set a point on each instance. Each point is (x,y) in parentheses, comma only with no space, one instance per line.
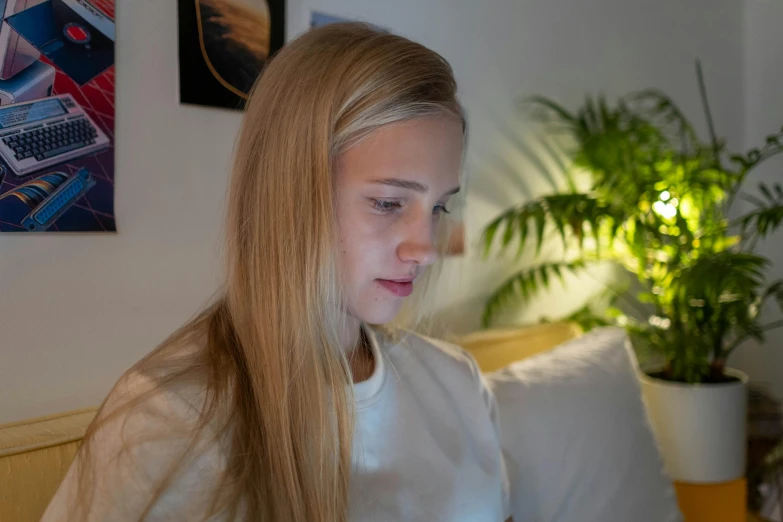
(378,310)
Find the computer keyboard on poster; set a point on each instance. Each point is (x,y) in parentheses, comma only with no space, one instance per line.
(38,134)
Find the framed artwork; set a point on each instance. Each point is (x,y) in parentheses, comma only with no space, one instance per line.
(57,116)
(223,45)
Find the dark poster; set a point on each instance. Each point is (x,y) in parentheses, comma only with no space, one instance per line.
(223,45)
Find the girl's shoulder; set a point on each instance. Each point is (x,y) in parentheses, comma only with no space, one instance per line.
(171,384)
(152,433)
(447,360)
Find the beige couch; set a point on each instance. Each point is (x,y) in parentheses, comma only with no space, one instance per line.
(34,456)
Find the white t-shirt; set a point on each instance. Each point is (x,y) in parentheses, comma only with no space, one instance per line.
(426,446)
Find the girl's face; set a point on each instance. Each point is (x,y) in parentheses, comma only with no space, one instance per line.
(392,188)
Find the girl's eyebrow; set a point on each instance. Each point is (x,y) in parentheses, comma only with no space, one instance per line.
(410,185)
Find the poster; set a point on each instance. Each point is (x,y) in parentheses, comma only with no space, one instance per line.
(57,116)
(223,45)
(318,19)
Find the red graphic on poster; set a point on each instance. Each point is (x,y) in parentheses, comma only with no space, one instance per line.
(57,116)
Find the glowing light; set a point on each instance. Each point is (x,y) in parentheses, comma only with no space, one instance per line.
(664,210)
(660,322)
(665,195)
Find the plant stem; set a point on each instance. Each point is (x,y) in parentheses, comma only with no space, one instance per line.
(752,199)
(754,239)
(742,339)
(772,325)
(708,114)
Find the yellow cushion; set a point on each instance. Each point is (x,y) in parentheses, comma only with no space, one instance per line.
(496,348)
(34,456)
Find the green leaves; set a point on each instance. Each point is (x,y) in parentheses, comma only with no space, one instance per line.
(588,319)
(571,215)
(775,291)
(662,110)
(764,220)
(714,277)
(656,204)
(768,215)
(523,285)
(764,190)
(549,111)
(773,145)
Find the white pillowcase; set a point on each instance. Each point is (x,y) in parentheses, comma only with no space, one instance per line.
(575,434)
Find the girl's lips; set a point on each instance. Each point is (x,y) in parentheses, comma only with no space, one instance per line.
(398,288)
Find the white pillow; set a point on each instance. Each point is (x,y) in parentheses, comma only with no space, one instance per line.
(575,434)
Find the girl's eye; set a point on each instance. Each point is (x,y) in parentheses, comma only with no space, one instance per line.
(385,206)
(440,209)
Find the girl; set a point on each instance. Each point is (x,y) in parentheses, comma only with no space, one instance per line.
(280,402)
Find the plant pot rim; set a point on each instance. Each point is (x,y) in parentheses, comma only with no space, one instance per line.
(742,379)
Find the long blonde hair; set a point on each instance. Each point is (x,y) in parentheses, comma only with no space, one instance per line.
(274,373)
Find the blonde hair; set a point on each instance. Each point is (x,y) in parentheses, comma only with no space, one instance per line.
(274,374)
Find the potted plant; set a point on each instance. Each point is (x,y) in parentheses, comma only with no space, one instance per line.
(657,202)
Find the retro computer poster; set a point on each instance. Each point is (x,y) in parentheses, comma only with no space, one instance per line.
(223,45)
(57,116)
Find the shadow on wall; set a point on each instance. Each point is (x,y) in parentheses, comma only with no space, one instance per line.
(519,167)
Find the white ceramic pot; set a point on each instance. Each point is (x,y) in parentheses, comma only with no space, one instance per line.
(700,428)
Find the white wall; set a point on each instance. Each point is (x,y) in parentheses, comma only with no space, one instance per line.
(76,310)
